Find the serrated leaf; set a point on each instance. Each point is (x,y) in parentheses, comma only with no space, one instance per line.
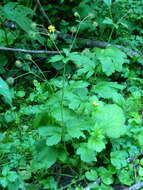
(18,14)
(96,143)
(111,59)
(109,90)
(49,183)
(108,20)
(41,119)
(44,156)
(10,37)
(12,176)
(91,175)
(74,125)
(108,2)
(9,116)
(125,177)
(85,64)
(78,84)
(105,175)
(139,138)
(111,119)
(86,154)
(5,171)
(3,181)
(58,65)
(140,171)
(5,92)
(56,58)
(52,134)
(53,140)
(105,187)
(119,159)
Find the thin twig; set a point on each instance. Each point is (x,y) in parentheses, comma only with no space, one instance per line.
(29,51)
(135,187)
(43,12)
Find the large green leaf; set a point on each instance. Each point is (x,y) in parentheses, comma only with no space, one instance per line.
(74,125)
(5,92)
(86,65)
(108,2)
(125,177)
(18,14)
(96,142)
(109,90)
(111,59)
(21,15)
(86,154)
(44,156)
(91,175)
(10,38)
(111,119)
(52,134)
(119,159)
(106,175)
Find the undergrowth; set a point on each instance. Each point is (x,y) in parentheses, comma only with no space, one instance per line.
(73,118)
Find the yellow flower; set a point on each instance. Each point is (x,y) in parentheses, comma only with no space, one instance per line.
(51,28)
(95,103)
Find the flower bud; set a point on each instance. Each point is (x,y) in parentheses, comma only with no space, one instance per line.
(76,14)
(28,57)
(18,64)
(33,25)
(73,29)
(10,80)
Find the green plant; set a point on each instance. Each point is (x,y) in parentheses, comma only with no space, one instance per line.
(74,118)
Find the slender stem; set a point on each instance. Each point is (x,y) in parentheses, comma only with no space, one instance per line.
(21,75)
(77,32)
(38,68)
(116,23)
(123,16)
(63,82)
(43,12)
(27,74)
(56,45)
(75,181)
(111,35)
